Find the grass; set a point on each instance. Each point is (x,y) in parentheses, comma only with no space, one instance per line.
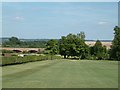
(62,74)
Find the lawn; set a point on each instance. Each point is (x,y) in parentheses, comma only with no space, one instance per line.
(62,74)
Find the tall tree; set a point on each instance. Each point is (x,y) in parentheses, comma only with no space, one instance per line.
(73,45)
(82,49)
(99,51)
(52,47)
(115,51)
(81,35)
(67,45)
(63,46)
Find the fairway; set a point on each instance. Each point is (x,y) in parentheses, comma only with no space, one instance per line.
(62,74)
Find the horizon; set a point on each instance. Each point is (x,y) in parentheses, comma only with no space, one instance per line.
(46,20)
(53,38)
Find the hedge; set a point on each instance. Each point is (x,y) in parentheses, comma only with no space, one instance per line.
(20,60)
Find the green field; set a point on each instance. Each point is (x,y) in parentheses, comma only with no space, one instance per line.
(62,74)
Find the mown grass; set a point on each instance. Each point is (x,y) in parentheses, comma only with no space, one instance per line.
(62,74)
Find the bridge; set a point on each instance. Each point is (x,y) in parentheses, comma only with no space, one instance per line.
(24,49)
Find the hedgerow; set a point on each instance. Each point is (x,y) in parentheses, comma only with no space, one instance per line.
(20,60)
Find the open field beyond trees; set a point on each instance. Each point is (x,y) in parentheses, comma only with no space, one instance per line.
(62,74)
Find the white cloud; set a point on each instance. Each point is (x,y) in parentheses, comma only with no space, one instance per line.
(102,23)
(19,18)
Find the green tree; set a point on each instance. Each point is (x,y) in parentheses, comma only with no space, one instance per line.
(81,35)
(115,51)
(63,46)
(99,51)
(52,47)
(14,40)
(82,50)
(73,45)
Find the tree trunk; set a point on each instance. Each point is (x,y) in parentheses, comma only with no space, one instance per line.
(65,56)
(79,57)
(51,57)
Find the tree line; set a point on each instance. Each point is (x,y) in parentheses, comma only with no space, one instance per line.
(17,43)
(74,46)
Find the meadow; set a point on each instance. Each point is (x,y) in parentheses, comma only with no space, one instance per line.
(62,73)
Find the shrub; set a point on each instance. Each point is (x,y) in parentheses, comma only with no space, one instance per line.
(19,60)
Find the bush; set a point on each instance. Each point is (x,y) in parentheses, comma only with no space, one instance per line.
(19,60)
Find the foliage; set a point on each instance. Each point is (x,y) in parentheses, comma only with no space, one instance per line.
(73,45)
(20,60)
(52,47)
(7,51)
(115,51)
(15,42)
(98,51)
(81,35)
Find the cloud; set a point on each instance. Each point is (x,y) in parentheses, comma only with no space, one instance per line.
(102,23)
(19,18)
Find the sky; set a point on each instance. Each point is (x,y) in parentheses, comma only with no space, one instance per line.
(51,20)
(60,0)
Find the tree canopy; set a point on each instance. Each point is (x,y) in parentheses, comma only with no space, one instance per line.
(115,51)
(52,46)
(99,51)
(15,42)
(73,45)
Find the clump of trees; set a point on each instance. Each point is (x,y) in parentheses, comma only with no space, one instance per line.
(15,42)
(73,45)
(98,51)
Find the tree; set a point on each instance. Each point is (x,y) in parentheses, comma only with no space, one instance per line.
(73,45)
(14,40)
(64,47)
(82,49)
(81,35)
(99,51)
(52,47)
(115,50)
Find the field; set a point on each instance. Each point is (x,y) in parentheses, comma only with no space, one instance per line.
(62,74)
